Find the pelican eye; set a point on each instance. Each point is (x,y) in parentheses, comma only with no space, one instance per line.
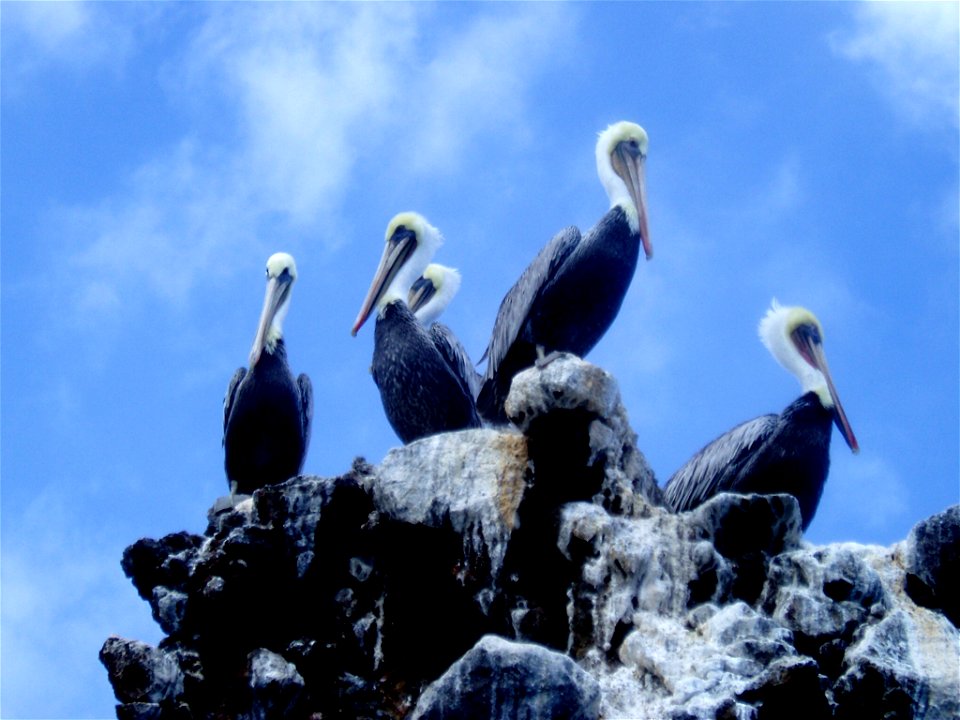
(631,146)
(402,233)
(805,336)
(814,332)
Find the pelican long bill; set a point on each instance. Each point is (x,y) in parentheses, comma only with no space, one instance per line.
(397,250)
(278,288)
(633,172)
(812,349)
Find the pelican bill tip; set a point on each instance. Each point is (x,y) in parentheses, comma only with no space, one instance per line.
(358,323)
(645,234)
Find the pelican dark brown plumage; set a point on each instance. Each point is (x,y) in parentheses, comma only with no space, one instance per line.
(421,393)
(428,298)
(266,412)
(568,297)
(785,453)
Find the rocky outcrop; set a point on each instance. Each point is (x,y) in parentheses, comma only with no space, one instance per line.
(534,574)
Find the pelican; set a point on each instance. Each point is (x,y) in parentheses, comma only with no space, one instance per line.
(785,453)
(420,392)
(570,294)
(266,413)
(428,298)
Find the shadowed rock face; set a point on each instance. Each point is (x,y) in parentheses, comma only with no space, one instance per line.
(534,574)
(933,563)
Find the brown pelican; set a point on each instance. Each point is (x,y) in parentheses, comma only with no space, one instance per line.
(569,295)
(420,392)
(266,413)
(432,292)
(428,298)
(785,453)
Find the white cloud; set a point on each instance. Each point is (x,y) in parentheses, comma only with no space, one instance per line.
(307,92)
(50,25)
(915,49)
(70,36)
(478,80)
(311,85)
(180,217)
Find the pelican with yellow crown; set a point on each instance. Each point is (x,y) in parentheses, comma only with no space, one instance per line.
(785,453)
(428,298)
(568,297)
(266,412)
(422,394)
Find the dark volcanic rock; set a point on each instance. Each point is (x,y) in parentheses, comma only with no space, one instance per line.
(141,673)
(500,679)
(580,436)
(933,563)
(275,686)
(406,587)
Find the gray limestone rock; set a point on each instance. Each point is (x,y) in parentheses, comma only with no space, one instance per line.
(579,430)
(503,680)
(933,563)
(275,686)
(471,481)
(140,672)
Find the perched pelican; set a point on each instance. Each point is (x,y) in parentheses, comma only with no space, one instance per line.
(785,453)
(432,292)
(569,295)
(266,413)
(428,298)
(420,392)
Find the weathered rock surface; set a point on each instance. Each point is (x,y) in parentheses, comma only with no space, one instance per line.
(933,563)
(535,574)
(499,678)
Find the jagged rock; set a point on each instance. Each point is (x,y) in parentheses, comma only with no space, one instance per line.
(412,486)
(933,563)
(141,673)
(580,436)
(503,680)
(718,663)
(824,597)
(409,584)
(275,686)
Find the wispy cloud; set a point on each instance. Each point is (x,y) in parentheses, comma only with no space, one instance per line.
(73,38)
(913,48)
(308,92)
(177,218)
(477,81)
(311,87)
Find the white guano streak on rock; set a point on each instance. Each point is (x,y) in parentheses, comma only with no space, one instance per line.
(933,643)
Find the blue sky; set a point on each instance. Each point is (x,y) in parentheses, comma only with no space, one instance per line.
(154,155)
